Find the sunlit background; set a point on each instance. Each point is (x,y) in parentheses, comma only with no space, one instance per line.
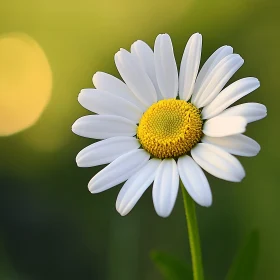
(51,226)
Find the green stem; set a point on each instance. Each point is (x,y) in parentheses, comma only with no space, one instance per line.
(193,235)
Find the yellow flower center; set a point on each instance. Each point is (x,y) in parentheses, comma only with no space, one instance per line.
(170,128)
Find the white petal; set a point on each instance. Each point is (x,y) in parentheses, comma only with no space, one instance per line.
(250,111)
(118,171)
(194,181)
(224,126)
(216,80)
(211,63)
(229,95)
(238,144)
(165,187)
(165,65)
(103,126)
(135,77)
(107,82)
(144,54)
(218,162)
(106,103)
(135,186)
(106,151)
(189,66)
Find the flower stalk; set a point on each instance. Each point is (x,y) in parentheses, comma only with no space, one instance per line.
(193,231)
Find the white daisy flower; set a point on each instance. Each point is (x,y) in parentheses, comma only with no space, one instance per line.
(158,126)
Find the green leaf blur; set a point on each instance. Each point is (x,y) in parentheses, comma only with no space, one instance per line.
(245,263)
(171,267)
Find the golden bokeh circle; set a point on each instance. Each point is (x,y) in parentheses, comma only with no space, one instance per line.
(25,82)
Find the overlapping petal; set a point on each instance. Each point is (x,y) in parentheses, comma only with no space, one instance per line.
(211,63)
(118,171)
(135,77)
(239,144)
(194,181)
(106,151)
(107,82)
(229,95)
(250,111)
(218,162)
(135,186)
(144,54)
(106,103)
(213,83)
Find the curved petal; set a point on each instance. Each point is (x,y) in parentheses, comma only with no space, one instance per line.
(106,151)
(229,95)
(165,188)
(211,63)
(135,77)
(218,162)
(194,181)
(103,126)
(224,126)
(144,54)
(238,144)
(118,171)
(250,111)
(165,65)
(216,80)
(135,186)
(106,103)
(107,82)
(189,66)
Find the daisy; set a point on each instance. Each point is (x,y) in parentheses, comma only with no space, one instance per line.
(158,126)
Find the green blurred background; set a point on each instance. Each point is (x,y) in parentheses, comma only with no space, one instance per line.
(51,226)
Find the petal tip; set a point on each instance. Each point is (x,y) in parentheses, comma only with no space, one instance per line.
(163,215)
(95,78)
(96,74)
(74,127)
(120,209)
(122,212)
(117,55)
(257,150)
(165,36)
(258,82)
(207,204)
(241,176)
(197,34)
(81,96)
(91,187)
(122,50)
(238,57)
(78,160)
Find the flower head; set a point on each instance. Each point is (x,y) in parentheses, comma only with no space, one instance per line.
(158,126)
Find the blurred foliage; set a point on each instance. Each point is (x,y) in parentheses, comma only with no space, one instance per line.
(245,263)
(51,227)
(171,267)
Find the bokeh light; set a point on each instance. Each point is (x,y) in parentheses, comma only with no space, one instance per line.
(25,82)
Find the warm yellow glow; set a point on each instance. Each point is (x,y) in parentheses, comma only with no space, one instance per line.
(25,82)
(170,128)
